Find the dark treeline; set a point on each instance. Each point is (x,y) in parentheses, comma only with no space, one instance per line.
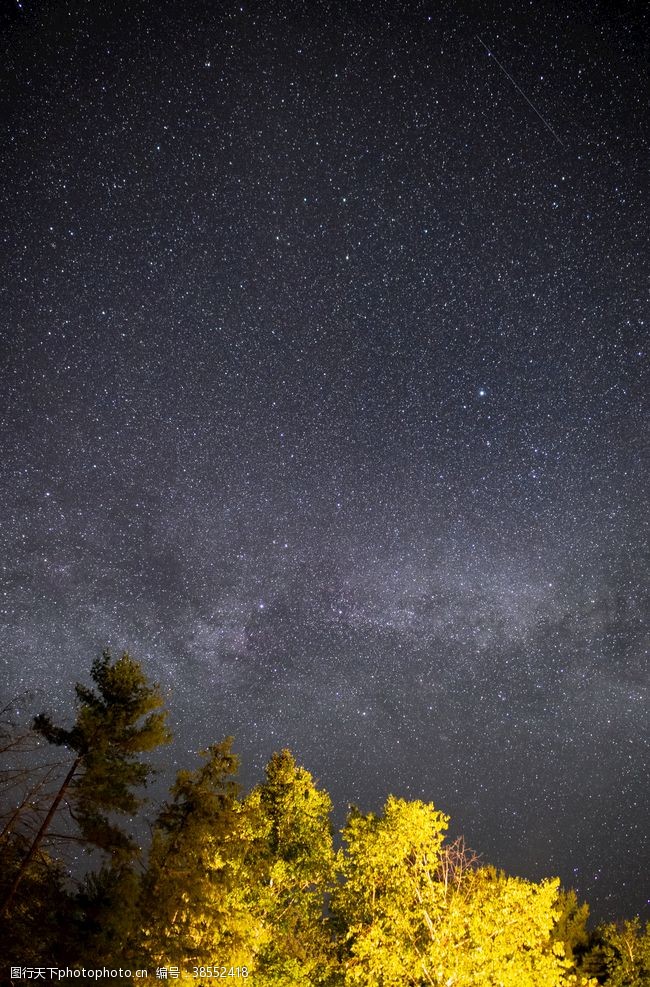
(250,885)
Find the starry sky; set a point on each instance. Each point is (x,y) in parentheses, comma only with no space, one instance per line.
(322,393)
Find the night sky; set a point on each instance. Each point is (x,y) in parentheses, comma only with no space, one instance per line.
(322,393)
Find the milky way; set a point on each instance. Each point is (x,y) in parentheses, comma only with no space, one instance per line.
(322,393)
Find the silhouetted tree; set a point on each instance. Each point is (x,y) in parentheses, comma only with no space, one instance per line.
(115,722)
(619,954)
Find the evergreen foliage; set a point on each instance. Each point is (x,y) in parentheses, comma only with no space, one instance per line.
(115,722)
(290,874)
(104,916)
(619,954)
(192,897)
(37,928)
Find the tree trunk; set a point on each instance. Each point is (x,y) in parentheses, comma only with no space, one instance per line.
(36,842)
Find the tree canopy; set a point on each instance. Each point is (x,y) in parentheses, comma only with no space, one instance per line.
(254,882)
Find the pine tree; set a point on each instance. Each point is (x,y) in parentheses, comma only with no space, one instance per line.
(36,932)
(118,720)
(290,874)
(192,896)
(104,918)
(571,926)
(619,954)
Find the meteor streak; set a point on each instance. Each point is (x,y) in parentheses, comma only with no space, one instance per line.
(532,105)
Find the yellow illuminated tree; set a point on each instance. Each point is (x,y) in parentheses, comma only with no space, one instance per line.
(290,873)
(496,929)
(192,900)
(241,883)
(414,912)
(384,904)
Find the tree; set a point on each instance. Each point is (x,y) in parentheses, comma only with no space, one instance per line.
(115,722)
(290,873)
(105,915)
(389,898)
(571,925)
(244,881)
(193,894)
(36,933)
(414,912)
(25,778)
(497,929)
(619,954)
